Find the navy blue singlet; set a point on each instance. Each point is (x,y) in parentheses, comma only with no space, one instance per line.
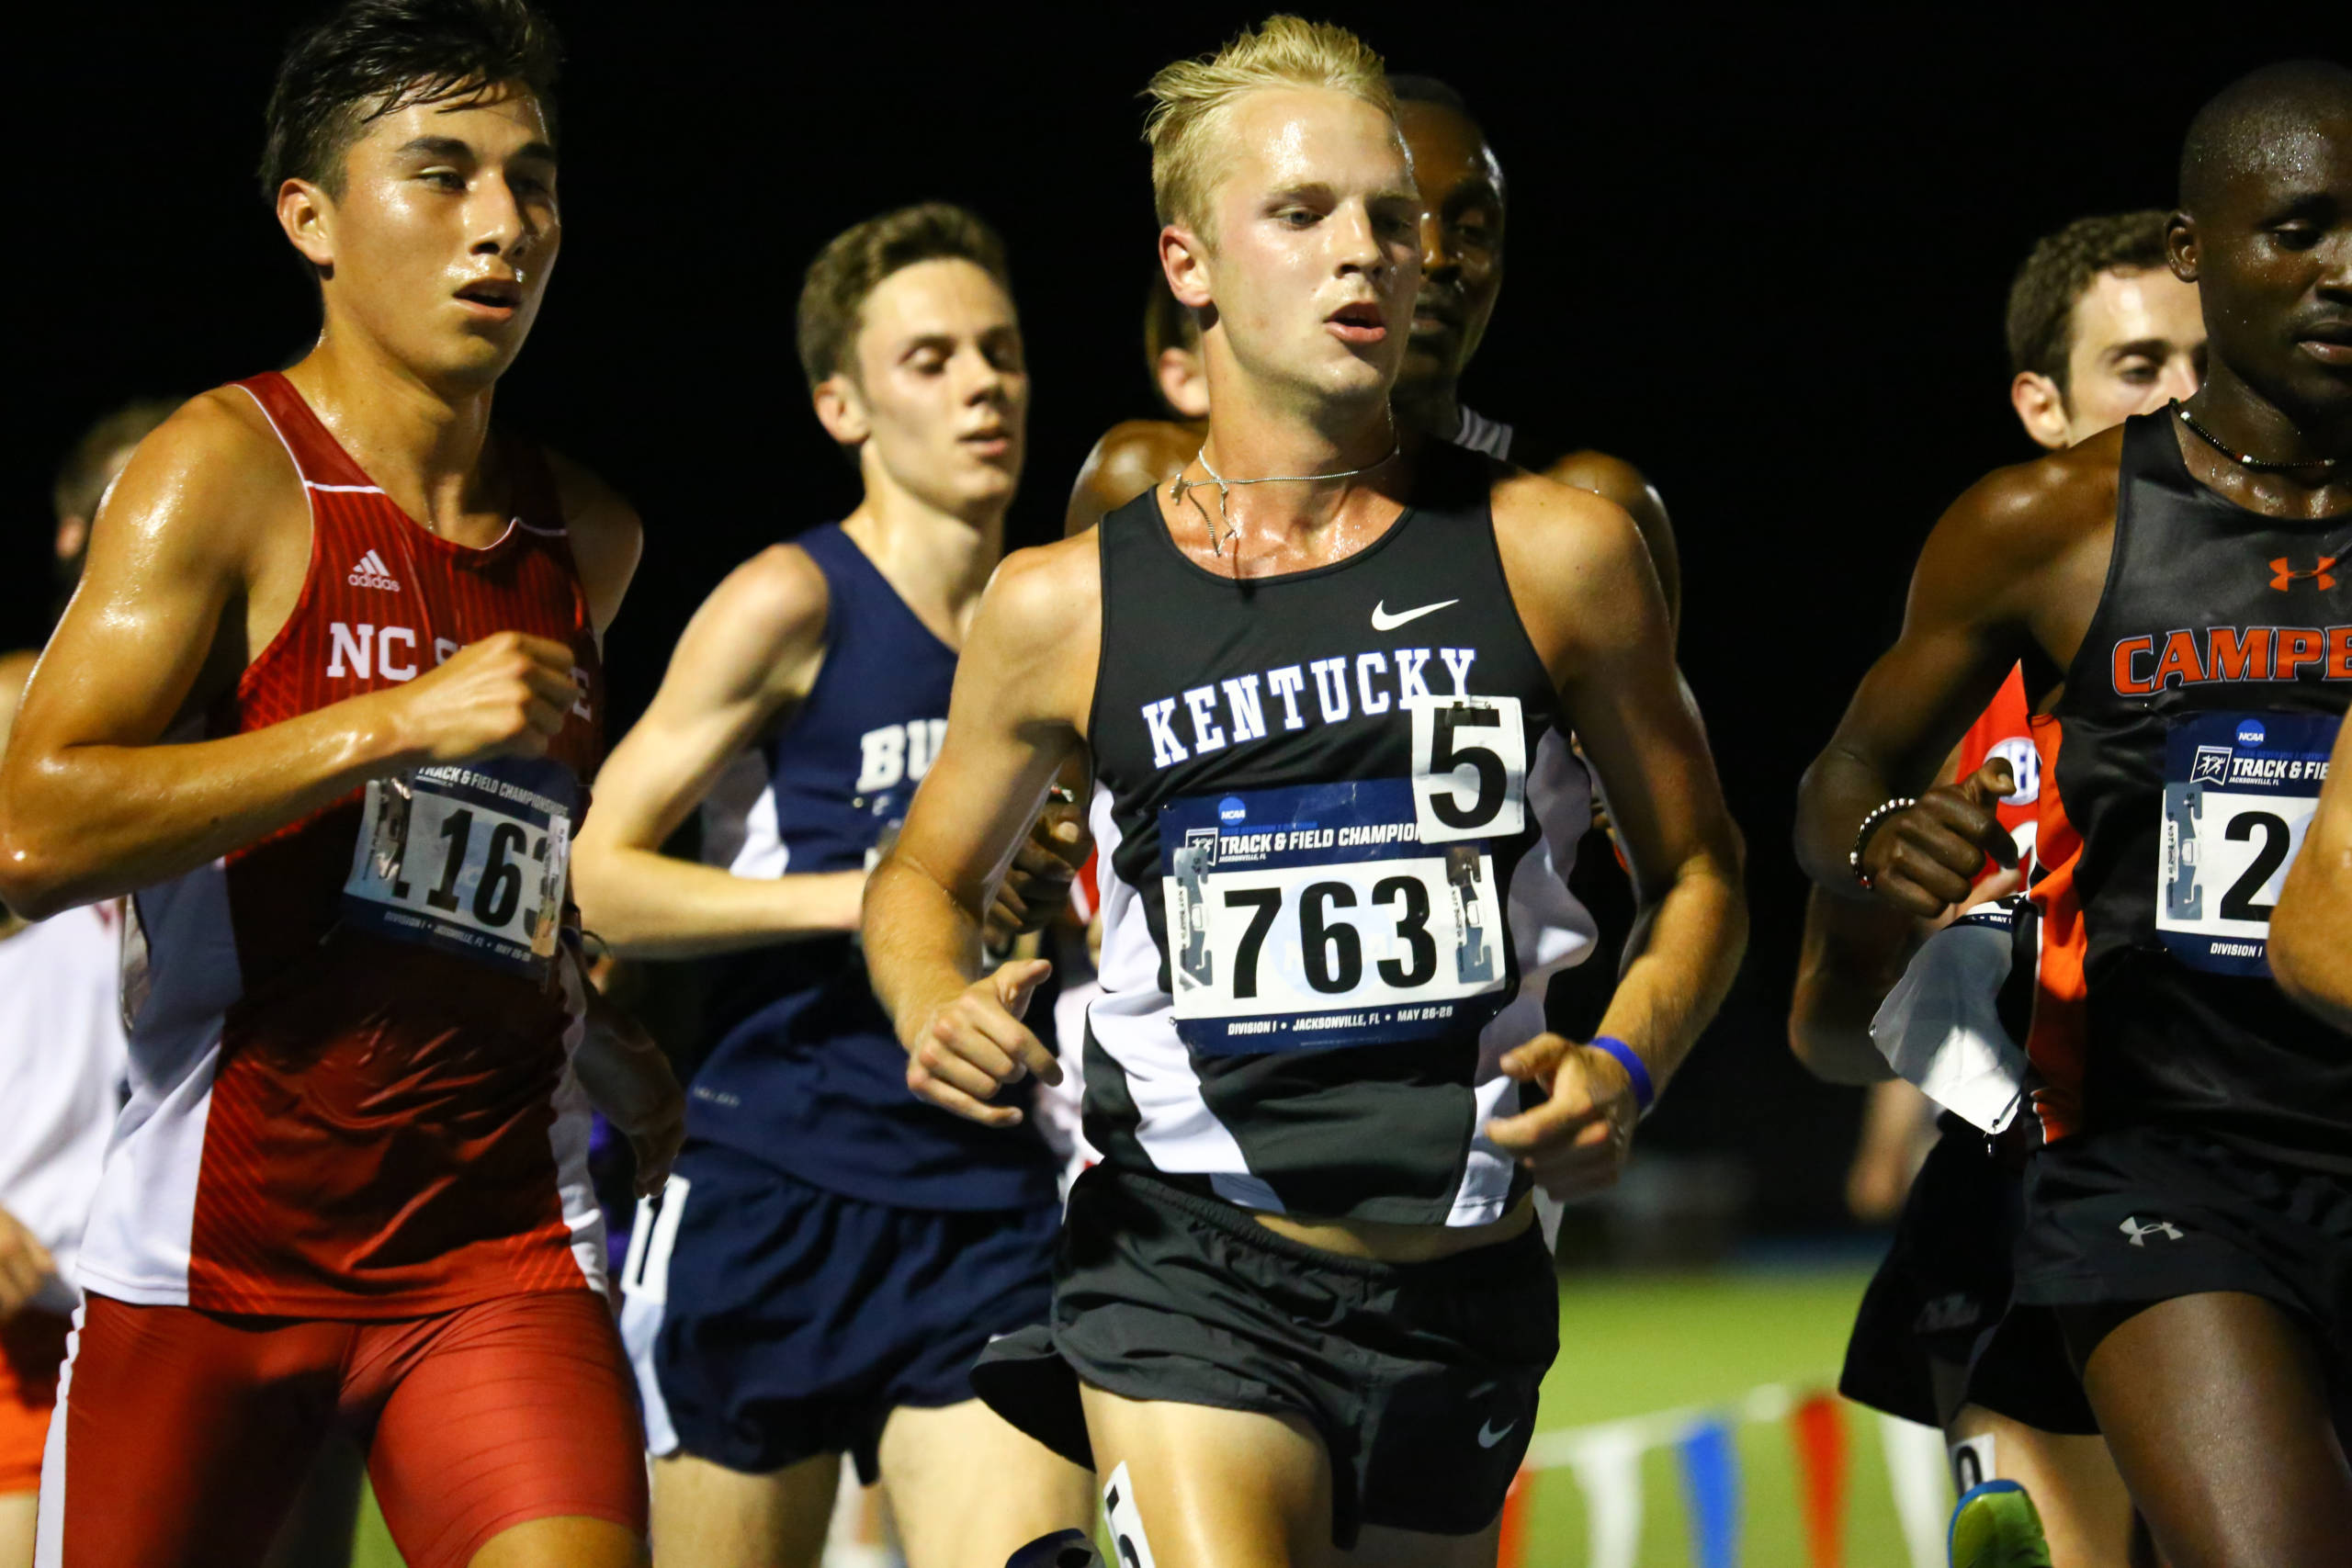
(807,1073)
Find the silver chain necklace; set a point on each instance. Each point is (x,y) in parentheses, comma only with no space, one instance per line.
(1179,485)
(2240,459)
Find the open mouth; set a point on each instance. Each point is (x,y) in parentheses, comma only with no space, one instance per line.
(493,297)
(1358,323)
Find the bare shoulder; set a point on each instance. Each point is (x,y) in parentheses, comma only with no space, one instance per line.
(1561,534)
(2018,526)
(606,535)
(1132,458)
(202,485)
(1050,593)
(1603,475)
(781,589)
(1043,611)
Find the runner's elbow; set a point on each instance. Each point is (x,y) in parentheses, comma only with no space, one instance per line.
(32,882)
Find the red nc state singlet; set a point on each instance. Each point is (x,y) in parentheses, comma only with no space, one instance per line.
(351,1084)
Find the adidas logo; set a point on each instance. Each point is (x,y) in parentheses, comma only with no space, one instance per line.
(371,572)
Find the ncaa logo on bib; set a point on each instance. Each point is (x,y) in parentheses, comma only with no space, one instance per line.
(1230,810)
(2251,733)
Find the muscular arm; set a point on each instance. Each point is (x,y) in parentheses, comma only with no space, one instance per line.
(750,653)
(1130,459)
(1584,582)
(1622,482)
(92,806)
(2012,569)
(1021,690)
(2311,933)
(1590,597)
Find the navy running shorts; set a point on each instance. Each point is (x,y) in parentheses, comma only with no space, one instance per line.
(770,1321)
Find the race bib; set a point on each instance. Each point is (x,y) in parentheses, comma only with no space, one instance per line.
(471,859)
(2240,790)
(1324,916)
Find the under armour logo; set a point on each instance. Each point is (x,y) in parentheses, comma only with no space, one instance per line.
(2319,577)
(2139,1232)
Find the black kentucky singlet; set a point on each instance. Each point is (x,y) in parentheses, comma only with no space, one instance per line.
(1314,792)
(2199,715)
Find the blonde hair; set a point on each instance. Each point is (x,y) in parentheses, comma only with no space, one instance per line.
(1191,97)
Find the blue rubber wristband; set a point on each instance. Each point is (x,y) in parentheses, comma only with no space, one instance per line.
(1645,1092)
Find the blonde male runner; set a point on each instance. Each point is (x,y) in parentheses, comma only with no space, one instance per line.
(1301,1310)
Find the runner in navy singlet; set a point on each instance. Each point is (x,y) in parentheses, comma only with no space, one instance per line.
(832,1253)
(2190,1213)
(1302,1304)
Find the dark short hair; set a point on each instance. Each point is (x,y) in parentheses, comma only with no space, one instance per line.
(855,260)
(2062,267)
(1410,88)
(82,477)
(366,59)
(2233,130)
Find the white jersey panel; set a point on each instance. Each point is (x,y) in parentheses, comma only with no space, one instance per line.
(180,976)
(1135,1023)
(568,1142)
(61,1065)
(739,822)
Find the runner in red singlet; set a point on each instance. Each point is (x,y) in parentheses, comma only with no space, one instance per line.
(327,705)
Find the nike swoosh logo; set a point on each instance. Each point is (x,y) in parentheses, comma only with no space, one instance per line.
(1382,621)
(1489,1436)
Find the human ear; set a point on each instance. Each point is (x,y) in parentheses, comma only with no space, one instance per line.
(2041,409)
(305,213)
(842,410)
(1184,259)
(2180,246)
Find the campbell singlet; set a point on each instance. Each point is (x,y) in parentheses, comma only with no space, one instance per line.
(807,1073)
(2197,723)
(351,1092)
(1317,798)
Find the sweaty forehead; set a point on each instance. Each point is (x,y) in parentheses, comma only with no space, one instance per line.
(2126,305)
(497,118)
(1448,149)
(944,296)
(1282,137)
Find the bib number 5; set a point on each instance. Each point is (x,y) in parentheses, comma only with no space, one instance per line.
(1469,768)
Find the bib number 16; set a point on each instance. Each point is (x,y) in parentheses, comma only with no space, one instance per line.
(1469,768)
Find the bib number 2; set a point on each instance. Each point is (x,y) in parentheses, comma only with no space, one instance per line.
(2240,793)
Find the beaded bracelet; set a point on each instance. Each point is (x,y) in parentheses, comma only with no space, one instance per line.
(1879,814)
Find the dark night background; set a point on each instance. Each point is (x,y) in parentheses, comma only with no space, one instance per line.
(1763,260)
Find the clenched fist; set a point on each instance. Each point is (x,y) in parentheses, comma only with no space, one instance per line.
(503,696)
(1577,1140)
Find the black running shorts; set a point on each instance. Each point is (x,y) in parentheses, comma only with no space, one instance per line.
(1944,1294)
(1421,1379)
(2126,1217)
